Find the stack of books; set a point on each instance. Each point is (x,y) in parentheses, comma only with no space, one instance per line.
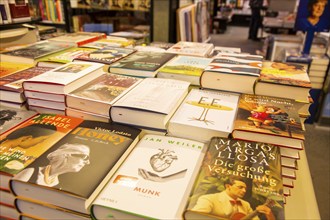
(318,70)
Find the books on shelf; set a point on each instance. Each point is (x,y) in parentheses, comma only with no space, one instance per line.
(79,38)
(204,114)
(31,53)
(63,57)
(11,117)
(101,93)
(232,72)
(64,79)
(141,63)
(270,120)
(158,168)
(281,79)
(151,103)
(106,56)
(7,68)
(191,48)
(235,178)
(89,154)
(26,142)
(19,10)
(11,88)
(187,68)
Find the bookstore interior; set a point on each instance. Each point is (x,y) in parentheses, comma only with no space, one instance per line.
(90,87)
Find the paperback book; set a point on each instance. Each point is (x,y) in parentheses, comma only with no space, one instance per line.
(7,68)
(89,154)
(269,119)
(157,169)
(237,180)
(191,48)
(204,114)
(23,144)
(187,68)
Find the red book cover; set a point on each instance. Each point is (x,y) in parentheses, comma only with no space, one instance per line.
(19,8)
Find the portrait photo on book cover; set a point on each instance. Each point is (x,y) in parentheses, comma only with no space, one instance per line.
(313,15)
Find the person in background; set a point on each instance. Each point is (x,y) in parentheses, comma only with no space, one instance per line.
(256,20)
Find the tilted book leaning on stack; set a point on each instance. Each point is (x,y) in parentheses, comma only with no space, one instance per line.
(232,72)
(101,93)
(204,114)
(23,144)
(73,171)
(269,119)
(151,103)
(237,180)
(158,169)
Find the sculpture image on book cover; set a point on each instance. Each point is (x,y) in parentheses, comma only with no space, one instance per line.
(26,142)
(276,119)
(204,114)
(157,170)
(77,166)
(101,93)
(238,180)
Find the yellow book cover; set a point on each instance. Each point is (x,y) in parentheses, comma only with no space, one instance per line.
(7,68)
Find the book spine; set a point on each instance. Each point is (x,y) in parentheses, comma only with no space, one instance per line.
(8,13)
(4,17)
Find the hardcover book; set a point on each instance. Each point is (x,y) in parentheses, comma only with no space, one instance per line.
(286,80)
(191,48)
(11,88)
(151,103)
(23,144)
(204,114)
(269,119)
(31,53)
(11,117)
(101,93)
(79,38)
(63,57)
(7,68)
(187,68)
(106,55)
(89,154)
(232,72)
(65,78)
(19,10)
(157,169)
(141,64)
(237,180)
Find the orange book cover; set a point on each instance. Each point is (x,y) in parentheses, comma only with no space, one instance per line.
(7,68)
(23,144)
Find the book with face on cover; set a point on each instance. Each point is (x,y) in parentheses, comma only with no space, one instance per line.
(204,114)
(235,178)
(101,93)
(269,119)
(141,63)
(158,168)
(31,53)
(11,88)
(26,142)
(232,72)
(282,79)
(72,172)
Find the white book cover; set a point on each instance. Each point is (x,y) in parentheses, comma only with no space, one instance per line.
(191,48)
(154,94)
(156,180)
(205,111)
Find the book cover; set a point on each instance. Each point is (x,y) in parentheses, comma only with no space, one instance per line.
(110,41)
(184,67)
(107,55)
(79,38)
(204,114)
(23,144)
(272,116)
(141,63)
(101,93)
(157,169)
(238,180)
(11,117)
(151,103)
(191,48)
(65,78)
(63,57)
(19,9)
(89,154)
(7,68)
(35,51)
(292,74)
